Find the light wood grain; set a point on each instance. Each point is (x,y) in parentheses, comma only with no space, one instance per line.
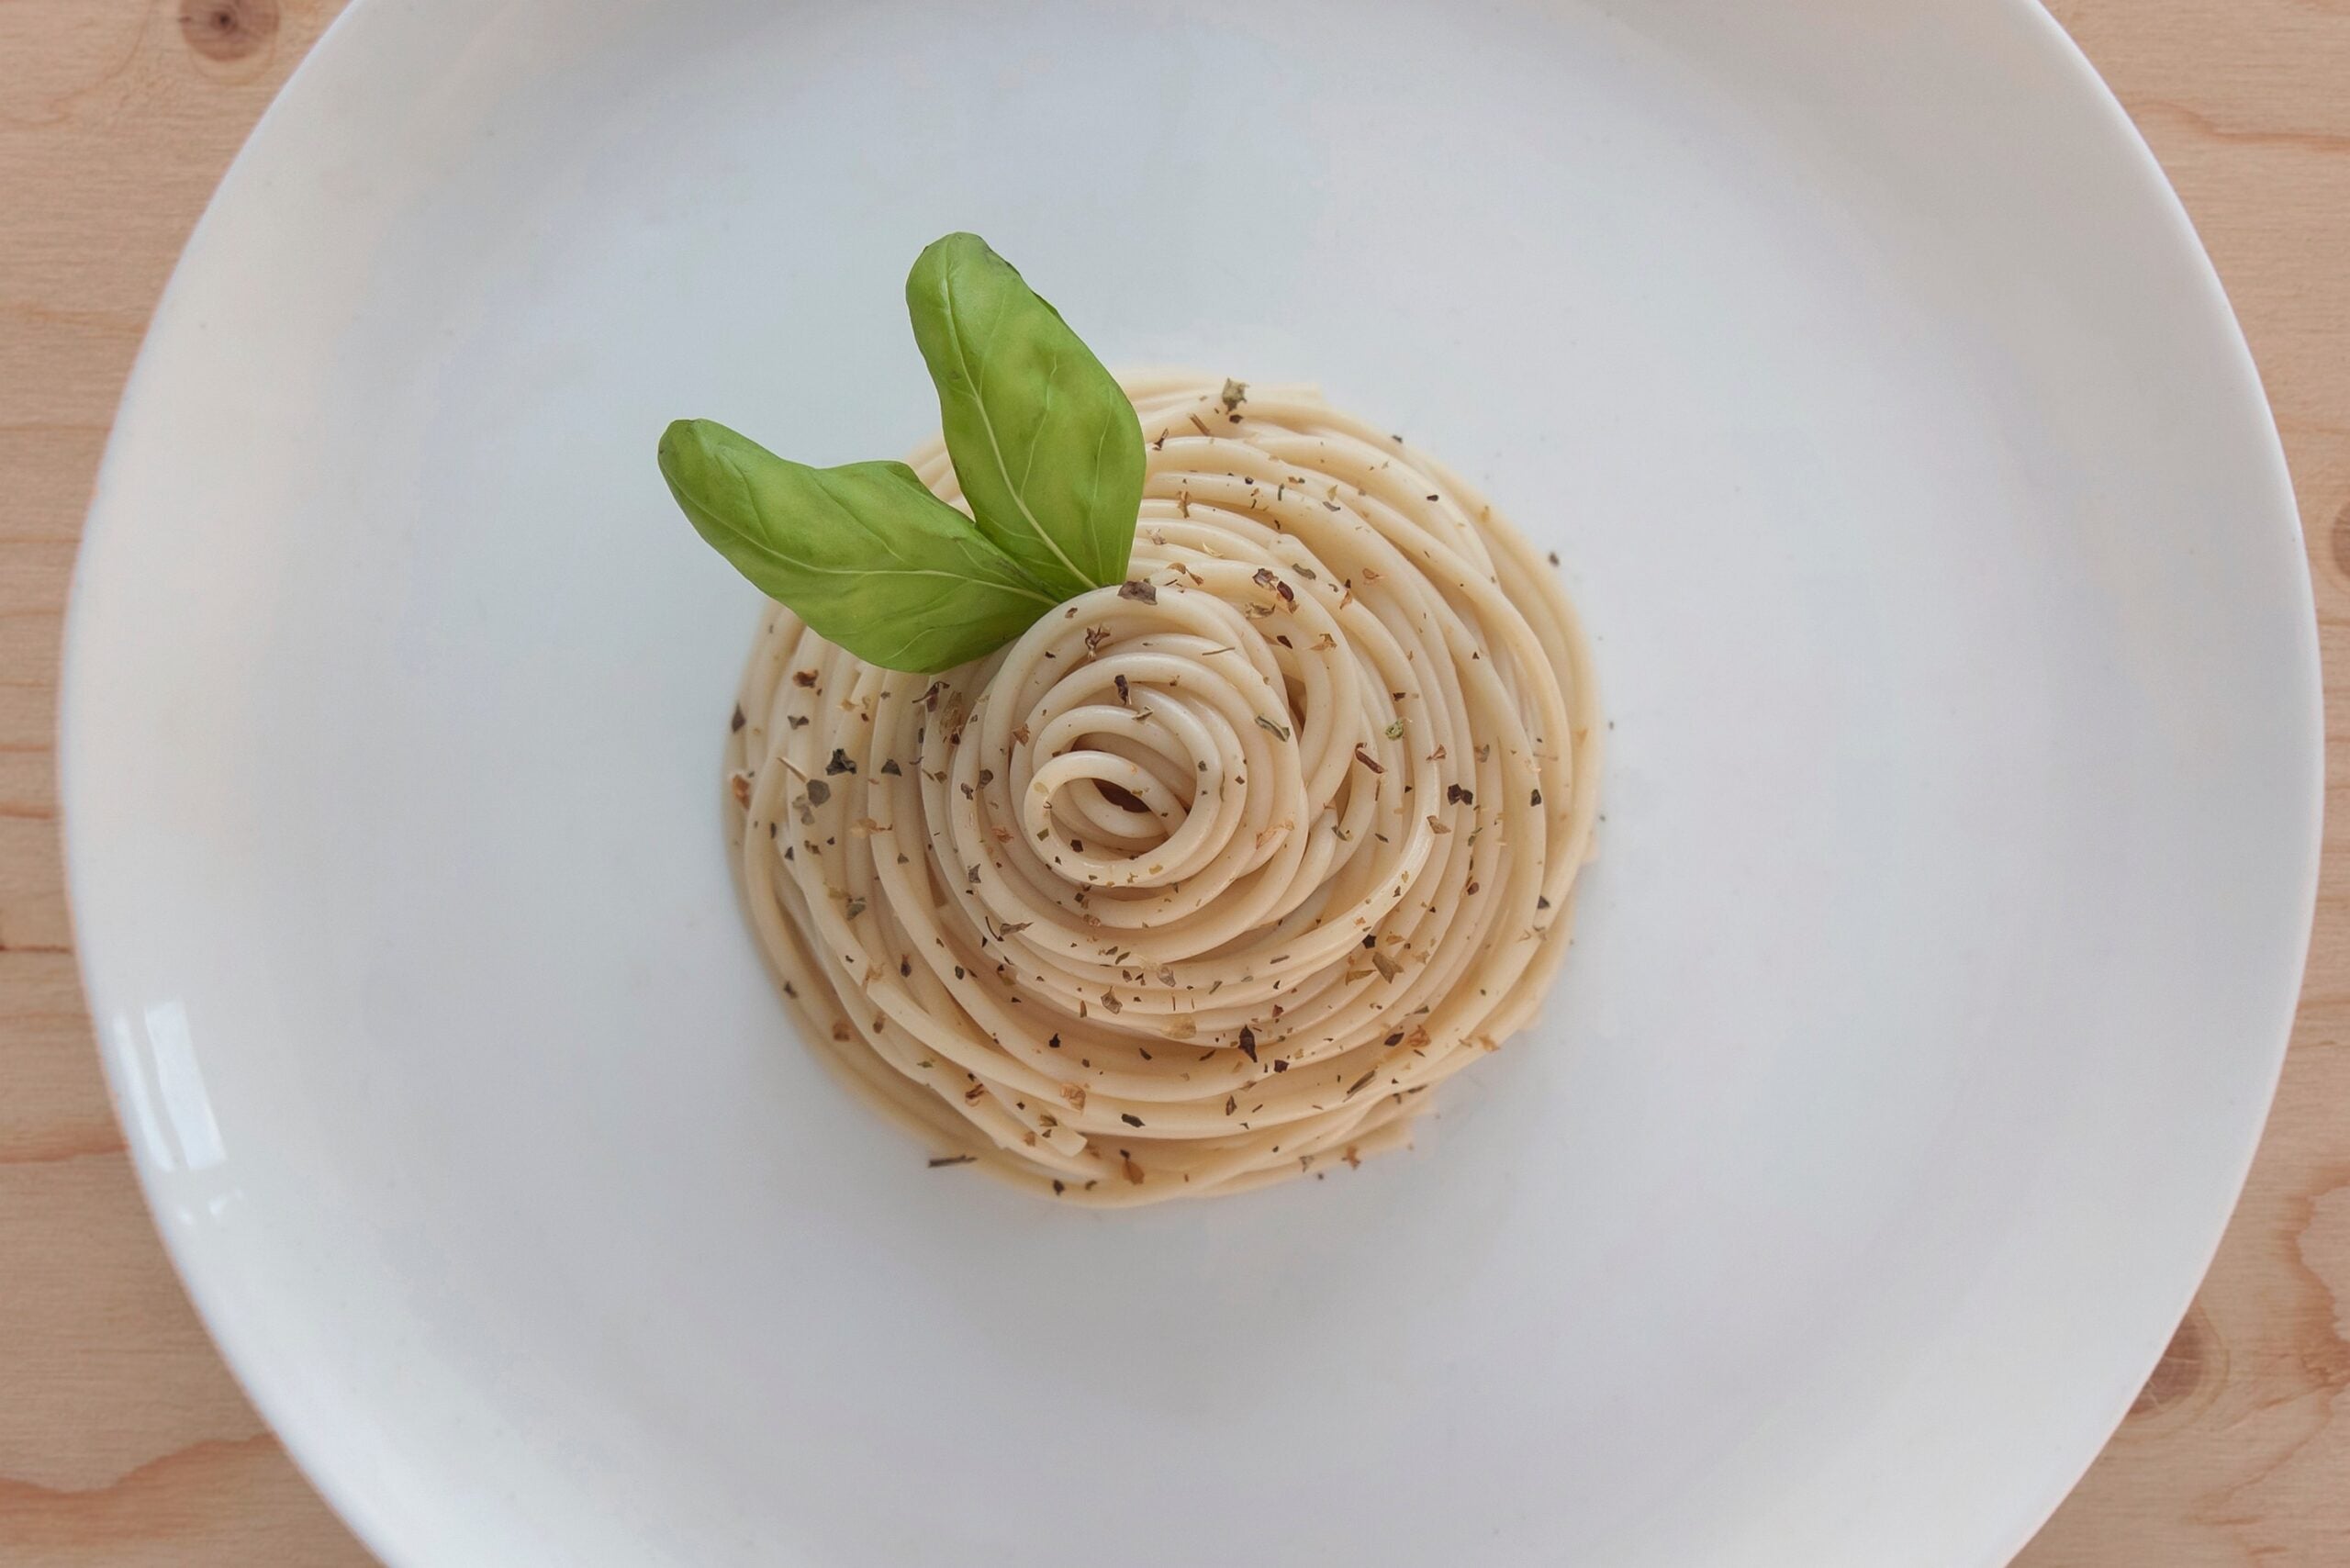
(123,1440)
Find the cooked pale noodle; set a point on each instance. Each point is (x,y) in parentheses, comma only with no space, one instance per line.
(1202,883)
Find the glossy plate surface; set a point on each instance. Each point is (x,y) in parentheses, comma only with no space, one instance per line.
(1932,982)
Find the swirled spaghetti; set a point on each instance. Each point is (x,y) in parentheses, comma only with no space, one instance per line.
(1206,880)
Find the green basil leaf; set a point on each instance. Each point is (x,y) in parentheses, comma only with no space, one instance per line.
(1046,447)
(863,552)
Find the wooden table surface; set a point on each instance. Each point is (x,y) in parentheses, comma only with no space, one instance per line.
(123,1439)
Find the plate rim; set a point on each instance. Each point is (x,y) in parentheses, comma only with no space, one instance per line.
(255,1367)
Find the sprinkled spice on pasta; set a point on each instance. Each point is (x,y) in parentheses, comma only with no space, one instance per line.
(1208,877)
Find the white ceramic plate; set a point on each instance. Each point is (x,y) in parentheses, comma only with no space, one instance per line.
(1956,873)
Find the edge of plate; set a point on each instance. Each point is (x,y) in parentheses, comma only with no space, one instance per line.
(361,1513)
(247,1364)
(2048,34)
